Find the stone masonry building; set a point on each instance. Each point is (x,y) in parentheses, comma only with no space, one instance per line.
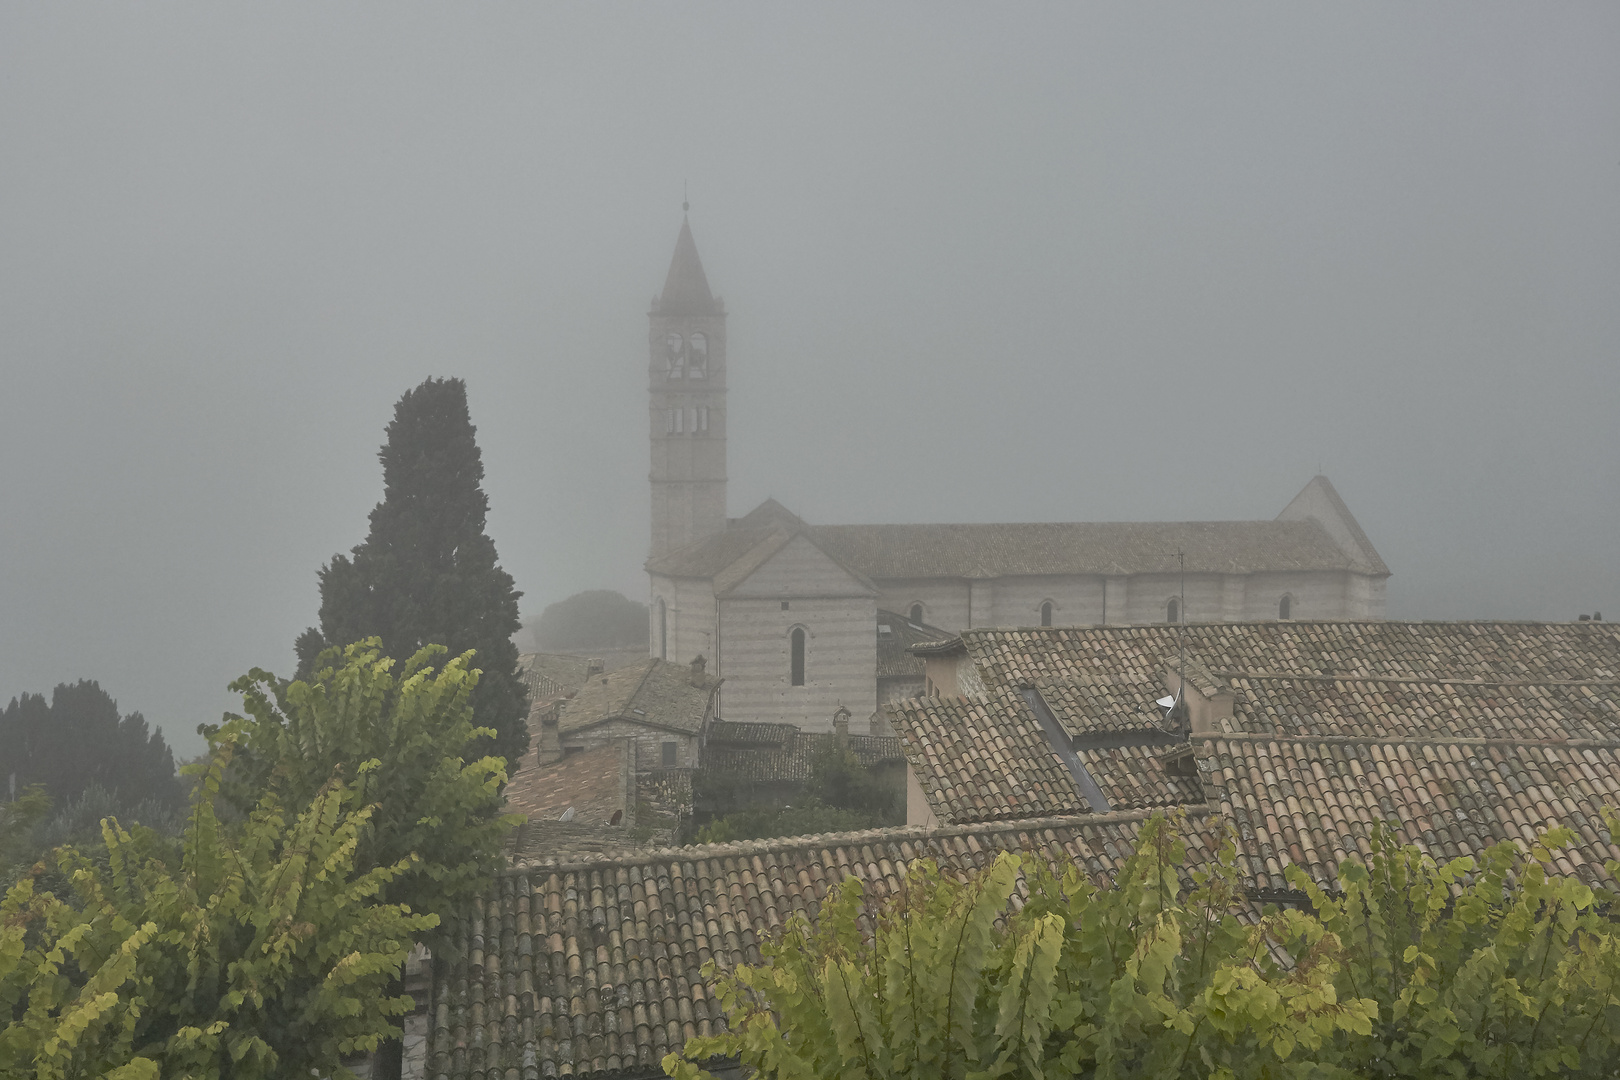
(790,613)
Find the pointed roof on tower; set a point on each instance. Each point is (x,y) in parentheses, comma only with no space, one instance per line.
(686,289)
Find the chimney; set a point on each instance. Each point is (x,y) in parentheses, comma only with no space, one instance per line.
(594,666)
(698,666)
(841,728)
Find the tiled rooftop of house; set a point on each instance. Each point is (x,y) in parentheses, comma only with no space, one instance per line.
(652,691)
(1491,651)
(984,758)
(595,784)
(1312,801)
(1457,734)
(591,966)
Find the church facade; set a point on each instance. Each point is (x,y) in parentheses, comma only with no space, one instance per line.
(791,614)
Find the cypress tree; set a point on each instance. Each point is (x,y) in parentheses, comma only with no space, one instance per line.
(427,574)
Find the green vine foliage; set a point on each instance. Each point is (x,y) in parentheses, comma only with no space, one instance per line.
(1027,969)
(258,952)
(429,800)
(326,829)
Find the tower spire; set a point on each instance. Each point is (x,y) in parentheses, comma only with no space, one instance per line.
(686,289)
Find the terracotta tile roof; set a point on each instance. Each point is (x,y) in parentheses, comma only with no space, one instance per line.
(1403,709)
(1493,651)
(984,758)
(743,733)
(593,783)
(654,692)
(1093,705)
(1118,547)
(590,967)
(1312,801)
(1134,778)
(552,675)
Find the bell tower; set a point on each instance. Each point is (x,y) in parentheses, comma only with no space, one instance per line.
(686,381)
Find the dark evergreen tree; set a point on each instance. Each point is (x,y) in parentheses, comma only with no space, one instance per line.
(78,740)
(427,574)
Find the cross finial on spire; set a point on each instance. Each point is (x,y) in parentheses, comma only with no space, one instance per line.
(685,203)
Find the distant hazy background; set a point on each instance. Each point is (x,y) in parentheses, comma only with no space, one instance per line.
(1009,262)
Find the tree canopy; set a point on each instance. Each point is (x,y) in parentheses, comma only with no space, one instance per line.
(78,740)
(267,940)
(1480,968)
(594,619)
(427,573)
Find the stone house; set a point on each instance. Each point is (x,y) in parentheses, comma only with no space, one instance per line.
(659,709)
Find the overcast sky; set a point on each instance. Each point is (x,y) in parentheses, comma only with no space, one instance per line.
(983,263)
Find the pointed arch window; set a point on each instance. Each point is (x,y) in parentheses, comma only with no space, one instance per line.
(663,630)
(697,356)
(796,656)
(674,354)
(916,613)
(1046,613)
(1173,611)
(1285,607)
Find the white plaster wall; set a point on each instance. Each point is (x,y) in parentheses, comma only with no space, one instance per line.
(1077,600)
(691,618)
(944,600)
(840,659)
(1148,598)
(801,569)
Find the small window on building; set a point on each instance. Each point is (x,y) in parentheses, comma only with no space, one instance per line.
(674,354)
(1173,612)
(1046,613)
(669,421)
(916,613)
(1284,607)
(703,418)
(796,663)
(697,356)
(670,750)
(784,605)
(691,420)
(680,421)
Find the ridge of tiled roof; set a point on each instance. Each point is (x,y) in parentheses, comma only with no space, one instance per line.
(654,692)
(1081,547)
(1439,651)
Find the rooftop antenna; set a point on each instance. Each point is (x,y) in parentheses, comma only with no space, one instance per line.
(1169,702)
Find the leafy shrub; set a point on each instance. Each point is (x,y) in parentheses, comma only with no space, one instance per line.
(1476,969)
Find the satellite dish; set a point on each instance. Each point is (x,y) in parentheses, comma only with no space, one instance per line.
(1166,702)
(567,815)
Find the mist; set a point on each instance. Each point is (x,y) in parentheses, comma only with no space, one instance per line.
(1045,262)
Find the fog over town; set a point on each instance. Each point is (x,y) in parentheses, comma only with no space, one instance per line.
(980,264)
